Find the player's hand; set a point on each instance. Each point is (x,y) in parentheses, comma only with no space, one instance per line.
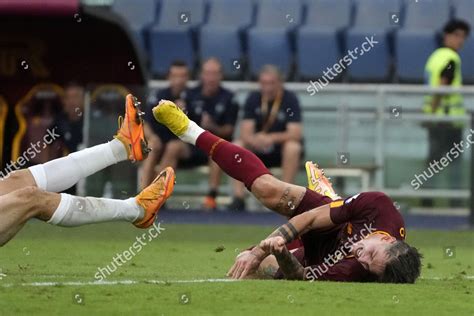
(245,264)
(263,141)
(207,122)
(273,244)
(181,104)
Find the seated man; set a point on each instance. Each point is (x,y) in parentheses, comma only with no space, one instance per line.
(28,193)
(158,136)
(271,128)
(212,106)
(365,232)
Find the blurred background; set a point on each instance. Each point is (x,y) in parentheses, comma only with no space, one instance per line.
(354,75)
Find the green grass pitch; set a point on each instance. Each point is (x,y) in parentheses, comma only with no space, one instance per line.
(45,271)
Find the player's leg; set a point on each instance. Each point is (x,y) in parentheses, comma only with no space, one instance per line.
(238,189)
(236,161)
(69,210)
(19,206)
(291,159)
(214,181)
(175,150)
(148,171)
(61,174)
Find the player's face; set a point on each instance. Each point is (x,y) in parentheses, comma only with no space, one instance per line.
(371,252)
(455,40)
(178,77)
(211,75)
(73,99)
(269,84)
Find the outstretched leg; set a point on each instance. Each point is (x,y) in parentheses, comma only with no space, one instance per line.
(236,161)
(69,210)
(61,174)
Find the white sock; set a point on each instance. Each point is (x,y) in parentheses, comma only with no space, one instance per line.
(192,133)
(61,174)
(77,211)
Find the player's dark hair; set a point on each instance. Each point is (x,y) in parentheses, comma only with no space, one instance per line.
(404,264)
(454,25)
(178,63)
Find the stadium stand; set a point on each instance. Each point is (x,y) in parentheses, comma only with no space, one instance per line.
(139,15)
(269,42)
(322,33)
(422,25)
(223,35)
(173,36)
(290,33)
(372,18)
(412,50)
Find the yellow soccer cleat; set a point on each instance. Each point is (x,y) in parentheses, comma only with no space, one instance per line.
(131,132)
(171,116)
(318,182)
(152,198)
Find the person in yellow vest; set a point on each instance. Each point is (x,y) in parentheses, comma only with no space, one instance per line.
(443,68)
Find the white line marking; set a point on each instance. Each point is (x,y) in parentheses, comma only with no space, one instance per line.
(120,282)
(129,282)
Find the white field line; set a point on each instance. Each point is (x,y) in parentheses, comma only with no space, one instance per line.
(129,282)
(120,282)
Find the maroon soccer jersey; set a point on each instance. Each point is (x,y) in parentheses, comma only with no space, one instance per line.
(326,255)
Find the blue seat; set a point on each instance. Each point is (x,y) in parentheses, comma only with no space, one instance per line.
(139,15)
(222,36)
(464,10)
(284,14)
(328,13)
(426,14)
(230,13)
(167,46)
(412,51)
(224,44)
(375,14)
(467,60)
(181,13)
(269,46)
(318,44)
(316,49)
(270,41)
(173,36)
(372,18)
(370,62)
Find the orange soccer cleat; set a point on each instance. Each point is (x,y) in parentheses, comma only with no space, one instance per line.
(131,132)
(152,198)
(318,182)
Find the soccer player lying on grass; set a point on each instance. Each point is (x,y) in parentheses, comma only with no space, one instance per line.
(29,193)
(357,239)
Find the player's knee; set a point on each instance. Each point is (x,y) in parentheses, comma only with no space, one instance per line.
(265,187)
(29,197)
(292,147)
(174,147)
(155,143)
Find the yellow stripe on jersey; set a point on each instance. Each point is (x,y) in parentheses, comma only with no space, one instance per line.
(336,204)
